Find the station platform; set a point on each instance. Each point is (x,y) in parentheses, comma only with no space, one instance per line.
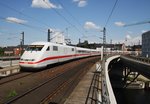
(6,71)
(80,93)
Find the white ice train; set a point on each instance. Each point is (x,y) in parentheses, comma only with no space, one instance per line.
(40,54)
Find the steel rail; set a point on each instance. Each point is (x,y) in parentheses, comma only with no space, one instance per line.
(34,88)
(62,86)
(31,90)
(13,78)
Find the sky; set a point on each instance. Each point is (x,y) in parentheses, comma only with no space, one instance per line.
(84,19)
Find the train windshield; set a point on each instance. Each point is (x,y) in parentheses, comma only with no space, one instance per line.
(34,47)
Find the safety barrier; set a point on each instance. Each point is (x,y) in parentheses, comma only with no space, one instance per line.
(107,92)
(142,59)
(100,91)
(94,93)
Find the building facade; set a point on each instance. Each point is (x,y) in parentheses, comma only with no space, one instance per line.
(146,44)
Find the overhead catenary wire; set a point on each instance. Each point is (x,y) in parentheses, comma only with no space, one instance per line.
(4,32)
(137,23)
(109,17)
(26,25)
(65,19)
(7,33)
(25,15)
(71,15)
(46,25)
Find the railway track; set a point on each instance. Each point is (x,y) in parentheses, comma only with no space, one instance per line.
(14,77)
(65,87)
(56,83)
(31,90)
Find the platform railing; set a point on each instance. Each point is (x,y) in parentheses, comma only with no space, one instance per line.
(100,91)
(94,93)
(142,59)
(7,58)
(8,61)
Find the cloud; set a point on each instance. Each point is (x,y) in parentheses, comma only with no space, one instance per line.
(81,3)
(128,37)
(143,31)
(133,41)
(91,25)
(120,24)
(130,40)
(46,4)
(15,20)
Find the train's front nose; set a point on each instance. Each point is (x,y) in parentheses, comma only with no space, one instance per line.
(29,59)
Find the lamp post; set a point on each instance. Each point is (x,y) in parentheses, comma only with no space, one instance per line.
(22,43)
(104,39)
(104,43)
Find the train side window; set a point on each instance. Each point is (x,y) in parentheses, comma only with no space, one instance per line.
(48,48)
(55,48)
(4,72)
(72,49)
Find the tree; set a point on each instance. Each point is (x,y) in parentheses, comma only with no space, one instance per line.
(1,51)
(86,44)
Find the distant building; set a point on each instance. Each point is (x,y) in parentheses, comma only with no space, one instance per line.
(13,50)
(120,47)
(146,44)
(58,38)
(9,51)
(110,47)
(136,50)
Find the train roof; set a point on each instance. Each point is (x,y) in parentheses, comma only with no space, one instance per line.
(48,43)
(41,43)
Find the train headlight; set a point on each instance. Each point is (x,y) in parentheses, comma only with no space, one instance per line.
(27,59)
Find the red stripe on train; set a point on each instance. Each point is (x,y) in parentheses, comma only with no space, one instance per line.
(52,58)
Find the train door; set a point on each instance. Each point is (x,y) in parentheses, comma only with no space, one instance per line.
(54,54)
(61,53)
